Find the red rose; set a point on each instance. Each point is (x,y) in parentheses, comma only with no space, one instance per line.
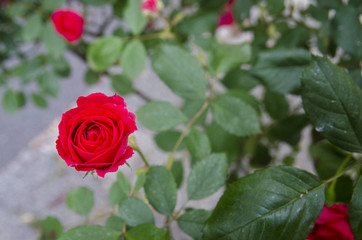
(68,24)
(227,18)
(94,135)
(332,224)
(151,7)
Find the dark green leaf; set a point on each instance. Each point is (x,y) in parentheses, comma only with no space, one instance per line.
(103,52)
(134,211)
(275,6)
(355,211)
(49,83)
(280,70)
(193,221)
(225,57)
(147,231)
(39,100)
(160,116)
(134,17)
(99,2)
(207,176)
(274,203)
(180,71)
(54,44)
(276,105)
(198,23)
(333,103)
(235,116)
(50,5)
(160,189)
(133,59)
(115,223)
(241,10)
(50,228)
(89,232)
(61,66)
(80,200)
(32,27)
(241,79)
(166,140)
(91,77)
(198,144)
(122,84)
(177,172)
(261,157)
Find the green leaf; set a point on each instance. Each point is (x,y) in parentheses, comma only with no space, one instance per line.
(275,6)
(180,71)
(89,232)
(122,84)
(134,211)
(276,105)
(198,23)
(140,181)
(235,116)
(177,172)
(32,27)
(91,77)
(225,57)
(133,59)
(191,107)
(103,52)
(241,10)
(60,66)
(80,200)
(50,5)
(28,69)
(280,70)
(160,116)
(147,231)
(166,140)
(116,194)
(355,211)
(160,189)
(246,97)
(333,103)
(10,100)
(115,223)
(134,17)
(207,176)
(49,84)
(349,25)
(273,203)
(261,157)
(54,44)
(193,221)
(240,79)
(50,228)
(123,182)
(198,144)
(39,100)
(99,2)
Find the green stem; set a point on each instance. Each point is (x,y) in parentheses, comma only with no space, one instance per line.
(358,163)
(183,134)
(142,156)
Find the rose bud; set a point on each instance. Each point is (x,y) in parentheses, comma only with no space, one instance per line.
(227,18)
(151,7)
(68,23)
(94,135)
(332,224)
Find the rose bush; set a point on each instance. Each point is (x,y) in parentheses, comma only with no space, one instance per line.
(94,135)
(68,23)
(332,224)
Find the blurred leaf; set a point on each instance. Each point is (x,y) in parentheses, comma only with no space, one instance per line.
(191,107)
(80,200)
(147,231)
(103,52)
(50,228)
(212,5)
(160,189)
(235,116)
(198,144)
(49,83)
(60,66)
(141,179)
(11,100)
(89,232)
(225,57)
(99,2)
(122,84)
(133,59)
(134,17)
(180,71)
(54,44)
(50,5)
(116,194)
(91,77)
(241,10)
(280,70)
(207,176)
(115,223)
(39,100)
(197,24)
(355,210)
(317,13)
(32,28)
(134,211)
(276,105)
(177,172)
(118,8)
(261,157)
(246,97)
(192,222)
(273,203)
(240,79)
(28,69)
(356,75)
(343,189)
(166,140)
(275,6)
(333,103)
(160,116)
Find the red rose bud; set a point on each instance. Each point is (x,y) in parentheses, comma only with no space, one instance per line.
(332,224)
(94,135)
(68,24)
(151,7)
(227,18)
